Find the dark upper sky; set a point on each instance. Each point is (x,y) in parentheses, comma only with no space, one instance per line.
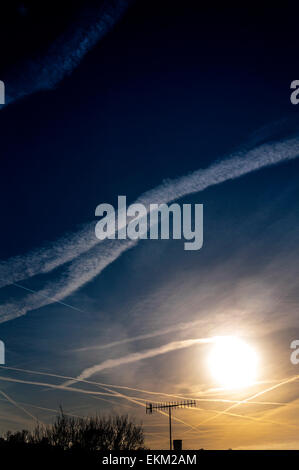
(171,88)
(137,107)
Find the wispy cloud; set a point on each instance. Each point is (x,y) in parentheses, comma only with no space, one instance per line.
(138,356)
(65,53)
(88,257)
(153,334)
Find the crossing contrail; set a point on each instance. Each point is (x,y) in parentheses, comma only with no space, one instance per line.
(134,389)
(88,262)
(114,394)
(252,397)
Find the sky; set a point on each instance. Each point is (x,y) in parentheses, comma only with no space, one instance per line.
(187,103)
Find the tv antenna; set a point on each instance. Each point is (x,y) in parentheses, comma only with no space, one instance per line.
(152,407)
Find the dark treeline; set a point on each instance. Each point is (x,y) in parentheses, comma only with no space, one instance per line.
(70,438)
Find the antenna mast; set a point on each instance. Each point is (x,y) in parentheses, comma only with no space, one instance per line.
(152,407)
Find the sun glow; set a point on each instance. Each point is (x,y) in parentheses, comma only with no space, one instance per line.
(233,363)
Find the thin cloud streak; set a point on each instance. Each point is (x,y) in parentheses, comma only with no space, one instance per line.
(87,392)
(66,52)
(112,394)
(154,334)
(252,397)
(88,265)
(56,387)
(19,407)
(138,356)
(42,408)
(71,246)
(123,387)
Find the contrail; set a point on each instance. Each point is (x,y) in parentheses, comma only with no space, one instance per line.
(127,405)
(197,409)
(250,418)
(42,408)
(17,405)
(45,259)
(66,52)
(95,396)
(154,334)
(137,402)
(89,264)
(56,387)
(70,246)
(49,298)
(267,390)
(86,392)
(81,271)
(112,393)
(147,392)
(138,356)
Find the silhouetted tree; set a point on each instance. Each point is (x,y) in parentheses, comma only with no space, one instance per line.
(19,437)
(90,434)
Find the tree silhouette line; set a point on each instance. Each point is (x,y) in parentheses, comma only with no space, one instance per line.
(76,437)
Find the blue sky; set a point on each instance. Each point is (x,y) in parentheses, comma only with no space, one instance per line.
(163,95)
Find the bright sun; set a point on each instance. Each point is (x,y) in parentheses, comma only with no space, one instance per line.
(233,363)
